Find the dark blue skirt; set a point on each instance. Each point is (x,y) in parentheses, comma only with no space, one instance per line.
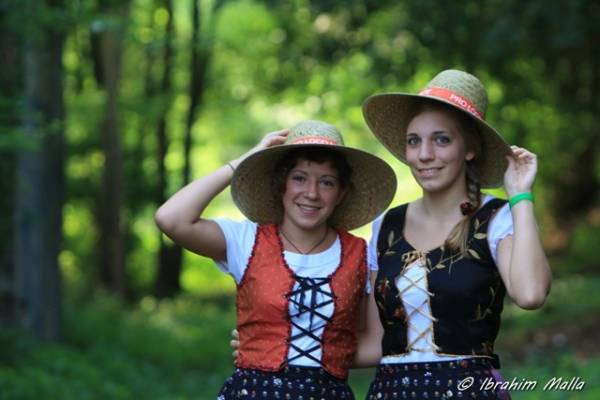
(297,383)
(472,378)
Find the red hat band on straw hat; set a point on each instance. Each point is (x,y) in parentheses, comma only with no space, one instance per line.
(452,97)
(315,140)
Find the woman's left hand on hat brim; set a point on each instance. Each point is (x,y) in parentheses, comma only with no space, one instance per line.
(521,171)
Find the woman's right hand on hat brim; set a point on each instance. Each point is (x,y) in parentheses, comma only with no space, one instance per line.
(271,139)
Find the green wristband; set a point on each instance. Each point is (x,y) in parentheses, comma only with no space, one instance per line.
(520,196)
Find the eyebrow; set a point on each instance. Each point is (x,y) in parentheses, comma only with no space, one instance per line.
(296,170)
(434,133)
(330,176)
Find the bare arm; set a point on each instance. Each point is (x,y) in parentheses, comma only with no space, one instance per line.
(368,352)
(521,259)
(180,217)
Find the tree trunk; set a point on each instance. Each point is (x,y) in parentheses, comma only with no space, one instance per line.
(10,81)
(40,185)
(170,257)
(169,261)
(108,49)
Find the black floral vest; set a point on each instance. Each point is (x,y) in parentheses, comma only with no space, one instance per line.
(467,292)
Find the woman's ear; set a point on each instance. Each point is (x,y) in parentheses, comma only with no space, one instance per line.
(470,155)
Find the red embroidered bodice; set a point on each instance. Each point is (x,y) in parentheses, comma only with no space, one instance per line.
(263,296)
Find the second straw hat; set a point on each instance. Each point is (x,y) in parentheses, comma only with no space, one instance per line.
(372,181)
(388,115)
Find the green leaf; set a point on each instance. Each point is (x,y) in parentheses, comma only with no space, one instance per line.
(474,254)
(390,238)
(478,312)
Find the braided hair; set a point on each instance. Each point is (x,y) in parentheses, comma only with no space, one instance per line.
(457,239)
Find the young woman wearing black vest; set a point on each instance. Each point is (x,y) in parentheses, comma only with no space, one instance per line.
(300,275)
(443,263)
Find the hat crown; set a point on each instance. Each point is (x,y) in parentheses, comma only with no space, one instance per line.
(464,85)
(314,132)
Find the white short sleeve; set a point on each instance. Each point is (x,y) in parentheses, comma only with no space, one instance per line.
(372,248)
(239,237)
(500,227)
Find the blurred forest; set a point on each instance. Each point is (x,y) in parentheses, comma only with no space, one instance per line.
(107,107)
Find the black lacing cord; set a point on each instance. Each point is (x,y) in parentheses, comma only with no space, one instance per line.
(309,287)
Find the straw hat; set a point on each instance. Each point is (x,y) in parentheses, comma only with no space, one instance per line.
(388,115)
(371,189)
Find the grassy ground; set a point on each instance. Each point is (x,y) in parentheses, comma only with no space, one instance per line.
(179,349)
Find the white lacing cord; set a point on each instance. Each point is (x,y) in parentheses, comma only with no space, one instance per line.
(417,259)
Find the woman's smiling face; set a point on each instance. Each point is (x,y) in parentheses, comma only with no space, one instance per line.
(436,151)
(312,191)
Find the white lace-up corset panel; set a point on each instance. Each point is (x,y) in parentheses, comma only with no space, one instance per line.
(311,308)
(413,291)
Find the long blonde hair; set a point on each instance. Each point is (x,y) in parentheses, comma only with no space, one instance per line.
(458,237)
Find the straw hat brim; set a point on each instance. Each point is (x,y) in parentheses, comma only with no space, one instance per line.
(371,190)
(388,114)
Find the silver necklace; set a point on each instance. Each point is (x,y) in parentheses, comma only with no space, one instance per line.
(296,247)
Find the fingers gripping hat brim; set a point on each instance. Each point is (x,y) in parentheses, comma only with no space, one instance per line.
(372,187)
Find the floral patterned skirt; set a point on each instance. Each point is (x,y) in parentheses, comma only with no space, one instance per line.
(297,383)
(471,378)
